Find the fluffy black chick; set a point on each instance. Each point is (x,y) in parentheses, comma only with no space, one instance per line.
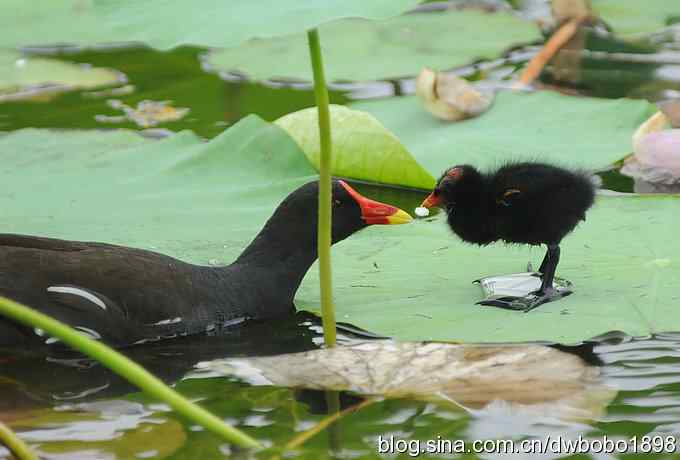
(527,203)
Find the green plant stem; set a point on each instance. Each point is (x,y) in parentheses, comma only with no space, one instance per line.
(303,437)
(126,368)
(334,429)
(324,237)
(18,447)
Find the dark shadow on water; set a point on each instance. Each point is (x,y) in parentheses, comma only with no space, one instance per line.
(30,380)
(36,380)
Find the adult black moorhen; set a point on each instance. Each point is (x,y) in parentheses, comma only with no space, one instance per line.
(530,203)
(125,296)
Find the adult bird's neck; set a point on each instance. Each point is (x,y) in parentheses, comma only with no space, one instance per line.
(274,264)
(290,246)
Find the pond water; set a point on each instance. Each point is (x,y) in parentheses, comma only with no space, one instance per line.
(72,408)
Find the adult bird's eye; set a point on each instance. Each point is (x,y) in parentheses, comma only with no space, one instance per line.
(336,203)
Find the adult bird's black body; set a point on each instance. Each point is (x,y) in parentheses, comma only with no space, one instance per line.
(529,203)
(125,296)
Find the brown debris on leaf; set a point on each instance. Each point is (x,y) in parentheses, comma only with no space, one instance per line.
(147,114)
(468,375)
(449,97)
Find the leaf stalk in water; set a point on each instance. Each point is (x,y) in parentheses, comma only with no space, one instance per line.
(14,443)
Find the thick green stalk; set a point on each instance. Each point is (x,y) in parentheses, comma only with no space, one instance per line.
(324,237)
(126,368)
(18,447)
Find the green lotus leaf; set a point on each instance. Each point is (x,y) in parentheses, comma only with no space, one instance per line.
(18,72)
(194,200)
(50,23)
(414,282)
(204,201)
(356,49)
(362,148)
(635,17)
(579,132)
(166,25)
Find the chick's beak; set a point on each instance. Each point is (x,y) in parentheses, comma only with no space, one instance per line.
(431,201)
(375,212)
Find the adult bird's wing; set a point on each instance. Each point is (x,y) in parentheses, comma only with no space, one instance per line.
(117,294)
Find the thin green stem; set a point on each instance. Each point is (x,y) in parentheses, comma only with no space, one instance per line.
(18,447)
(324,237)
(334,433)
(333,415)
(126,368)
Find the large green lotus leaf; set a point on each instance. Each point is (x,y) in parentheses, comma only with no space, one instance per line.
(414,282)
(164,24)
(581,132)
(204,201)
(17,71)
(356,49)
(52,22)
(634,17)
(199,201)
(362,147)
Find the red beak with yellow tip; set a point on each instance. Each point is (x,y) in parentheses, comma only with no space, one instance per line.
(374,212)
(431,201)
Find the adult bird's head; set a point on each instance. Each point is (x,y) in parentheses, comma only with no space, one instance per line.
(454,185)
(292,229)
(351,210)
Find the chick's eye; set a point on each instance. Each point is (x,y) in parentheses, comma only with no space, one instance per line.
(336,203)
